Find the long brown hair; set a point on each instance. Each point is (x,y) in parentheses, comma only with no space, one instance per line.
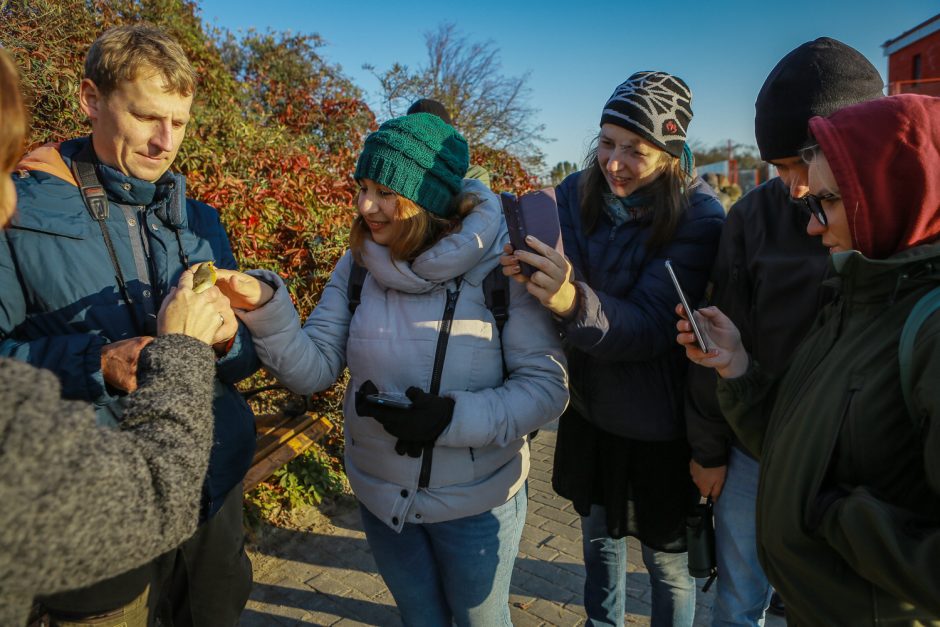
(669,191)
(13,119)
(414,230)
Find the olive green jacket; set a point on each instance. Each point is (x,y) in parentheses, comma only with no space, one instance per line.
(848,506)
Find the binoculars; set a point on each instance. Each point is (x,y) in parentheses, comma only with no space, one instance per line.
(700,538)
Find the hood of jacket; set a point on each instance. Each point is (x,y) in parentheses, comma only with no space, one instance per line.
(885,156)
(470,252)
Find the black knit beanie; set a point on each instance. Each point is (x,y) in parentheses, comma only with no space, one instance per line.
(656,106)
(818,78)
(426,105)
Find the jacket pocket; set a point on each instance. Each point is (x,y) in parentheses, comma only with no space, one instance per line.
(826,482)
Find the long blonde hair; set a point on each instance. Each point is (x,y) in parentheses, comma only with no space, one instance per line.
(14,122)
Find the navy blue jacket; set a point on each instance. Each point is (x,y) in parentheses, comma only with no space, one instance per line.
(627,373)
(59,302)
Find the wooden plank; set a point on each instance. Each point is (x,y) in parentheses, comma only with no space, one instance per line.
(276,436)
(291,448)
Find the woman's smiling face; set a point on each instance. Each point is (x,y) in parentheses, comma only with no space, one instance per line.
(628,161)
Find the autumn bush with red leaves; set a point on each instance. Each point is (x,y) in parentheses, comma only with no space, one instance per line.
(275,135)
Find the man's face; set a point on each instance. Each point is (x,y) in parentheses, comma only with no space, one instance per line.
(795,173)
(138,127)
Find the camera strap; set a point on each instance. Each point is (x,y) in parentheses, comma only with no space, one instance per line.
(96,202)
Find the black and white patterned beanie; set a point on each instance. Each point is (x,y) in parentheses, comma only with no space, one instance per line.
(656,106)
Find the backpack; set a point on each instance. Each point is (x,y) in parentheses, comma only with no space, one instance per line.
(495,295)
(928,304)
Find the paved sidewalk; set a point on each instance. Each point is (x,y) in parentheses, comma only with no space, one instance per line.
(326,576)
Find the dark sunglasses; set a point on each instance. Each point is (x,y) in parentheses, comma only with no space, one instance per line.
(814,204)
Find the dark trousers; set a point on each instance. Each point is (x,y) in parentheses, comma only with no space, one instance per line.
(202,583)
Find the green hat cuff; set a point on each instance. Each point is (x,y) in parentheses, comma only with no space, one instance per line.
(419,157)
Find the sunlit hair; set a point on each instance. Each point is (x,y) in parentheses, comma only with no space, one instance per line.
(669,191)
(13,120)
(123,52)
(414,230)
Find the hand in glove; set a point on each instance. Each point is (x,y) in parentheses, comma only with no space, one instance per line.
(415,427)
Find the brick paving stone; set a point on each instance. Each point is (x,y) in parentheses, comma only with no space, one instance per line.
(555,614)
(329,577)
(560,516)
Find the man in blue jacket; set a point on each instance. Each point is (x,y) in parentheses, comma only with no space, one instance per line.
(103,232)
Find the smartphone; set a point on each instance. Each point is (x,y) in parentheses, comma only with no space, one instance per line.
(388,399)
(699,336)
(536,214)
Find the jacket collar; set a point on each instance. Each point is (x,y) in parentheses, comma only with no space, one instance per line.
(471,252)
(867,279)
(166,197)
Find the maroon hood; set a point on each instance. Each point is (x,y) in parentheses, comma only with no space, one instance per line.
(885,155)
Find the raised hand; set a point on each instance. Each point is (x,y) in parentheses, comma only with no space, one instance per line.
(552,282)
(242,290)
(206,316)
(727,356)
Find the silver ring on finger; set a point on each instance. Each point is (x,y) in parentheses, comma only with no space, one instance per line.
(221,320)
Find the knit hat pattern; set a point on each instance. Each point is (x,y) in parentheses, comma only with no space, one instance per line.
(817,78)
(417,156)
(656,106)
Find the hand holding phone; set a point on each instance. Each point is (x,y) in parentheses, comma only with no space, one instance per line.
(700,337)
(535,214)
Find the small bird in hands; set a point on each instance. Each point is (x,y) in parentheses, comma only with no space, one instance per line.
(204,277)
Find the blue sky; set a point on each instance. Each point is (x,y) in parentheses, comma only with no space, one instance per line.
(577,52)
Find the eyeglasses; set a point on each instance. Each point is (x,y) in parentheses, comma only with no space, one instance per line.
(808,154)
(814,204)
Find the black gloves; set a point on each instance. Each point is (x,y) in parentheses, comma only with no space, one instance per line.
(415,427)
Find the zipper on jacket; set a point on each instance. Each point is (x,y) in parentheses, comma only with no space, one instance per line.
(446,322)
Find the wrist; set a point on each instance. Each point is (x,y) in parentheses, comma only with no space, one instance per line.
(738,365)
(569,295)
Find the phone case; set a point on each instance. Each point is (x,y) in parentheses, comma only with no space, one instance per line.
(536,214)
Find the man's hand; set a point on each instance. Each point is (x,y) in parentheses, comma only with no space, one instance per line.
(119,362)
(709,481)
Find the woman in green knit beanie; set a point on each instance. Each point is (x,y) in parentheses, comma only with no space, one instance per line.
(435,430)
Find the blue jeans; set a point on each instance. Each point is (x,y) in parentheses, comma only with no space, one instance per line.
(455,570)
(605,564)
(743,592)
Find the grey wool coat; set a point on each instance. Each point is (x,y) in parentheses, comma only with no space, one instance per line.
(79,502)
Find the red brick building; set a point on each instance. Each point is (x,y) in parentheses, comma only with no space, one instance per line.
(914,59)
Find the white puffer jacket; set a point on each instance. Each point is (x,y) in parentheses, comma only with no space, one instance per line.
(481,459)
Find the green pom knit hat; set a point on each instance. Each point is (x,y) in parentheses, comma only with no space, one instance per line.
(418,156)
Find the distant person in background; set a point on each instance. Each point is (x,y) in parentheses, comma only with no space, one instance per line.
(848,507)
(82,502)
(622,456)
(426,105)
(768,279)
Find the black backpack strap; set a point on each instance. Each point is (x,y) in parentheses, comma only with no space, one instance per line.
(496,297)
(357,276)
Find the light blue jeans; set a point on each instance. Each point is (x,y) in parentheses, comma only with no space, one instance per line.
(743,592)
(456,570)
(605,564)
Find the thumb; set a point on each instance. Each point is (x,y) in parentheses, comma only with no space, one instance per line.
(415,394)
(186,280)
